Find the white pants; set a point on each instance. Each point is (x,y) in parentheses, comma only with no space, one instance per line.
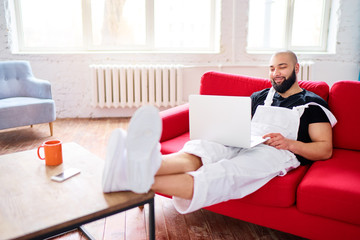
(230,173)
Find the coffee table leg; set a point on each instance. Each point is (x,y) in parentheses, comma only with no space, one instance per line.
(151,220)
(86,233)
(151,223)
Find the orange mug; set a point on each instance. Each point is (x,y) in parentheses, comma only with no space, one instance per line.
(52,151)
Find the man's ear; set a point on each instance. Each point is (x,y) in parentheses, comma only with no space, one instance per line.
(297,68)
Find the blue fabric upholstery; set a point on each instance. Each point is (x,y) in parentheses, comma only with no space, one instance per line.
(24,99)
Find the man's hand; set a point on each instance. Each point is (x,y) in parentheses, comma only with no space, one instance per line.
(319,149)
(278,141)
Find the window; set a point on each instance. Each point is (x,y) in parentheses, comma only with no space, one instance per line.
(299,25)
(117,25)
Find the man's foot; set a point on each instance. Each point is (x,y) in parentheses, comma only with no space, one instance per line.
(114,175)
(143,148)
(133,160)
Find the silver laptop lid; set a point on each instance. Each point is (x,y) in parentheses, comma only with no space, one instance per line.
(222,119)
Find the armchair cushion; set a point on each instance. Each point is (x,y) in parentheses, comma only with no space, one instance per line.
(21,111)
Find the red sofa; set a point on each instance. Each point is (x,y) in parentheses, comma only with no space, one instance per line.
(321,201)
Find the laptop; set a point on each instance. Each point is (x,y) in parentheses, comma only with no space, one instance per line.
(222,119)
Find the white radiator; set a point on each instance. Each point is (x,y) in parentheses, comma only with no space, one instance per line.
(136,85)
(306,69)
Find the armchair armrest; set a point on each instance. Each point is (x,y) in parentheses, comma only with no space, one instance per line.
(175,122)
(38,88)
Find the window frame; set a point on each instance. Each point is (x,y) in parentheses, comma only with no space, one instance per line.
(324,33)
(149,46)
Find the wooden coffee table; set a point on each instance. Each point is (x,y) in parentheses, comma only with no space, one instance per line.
(34,206)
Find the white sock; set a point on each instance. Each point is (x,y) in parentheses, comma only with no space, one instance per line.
(142,145)
(115,162)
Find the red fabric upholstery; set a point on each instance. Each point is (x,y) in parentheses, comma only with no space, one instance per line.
(316,202)
(289,220)
(279,192)
(320,88)
(175,144)
(216,83)
(344,102)
(175,121)
(332,188)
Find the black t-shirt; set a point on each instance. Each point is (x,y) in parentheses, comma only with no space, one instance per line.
(312,114)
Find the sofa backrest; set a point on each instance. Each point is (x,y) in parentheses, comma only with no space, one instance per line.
(217,83)
(344,102)
(13,77)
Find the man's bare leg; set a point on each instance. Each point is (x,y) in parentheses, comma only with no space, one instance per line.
(179,162)
(172,179)
(178,185)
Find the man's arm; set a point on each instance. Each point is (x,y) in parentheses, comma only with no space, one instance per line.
(319,149)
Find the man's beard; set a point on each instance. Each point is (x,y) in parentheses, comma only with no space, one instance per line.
(286,84)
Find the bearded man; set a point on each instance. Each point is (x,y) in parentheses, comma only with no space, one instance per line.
(296,121)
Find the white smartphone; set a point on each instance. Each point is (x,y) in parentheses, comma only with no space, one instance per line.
(66,174)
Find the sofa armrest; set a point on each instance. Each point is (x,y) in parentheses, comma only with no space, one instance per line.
(175,122)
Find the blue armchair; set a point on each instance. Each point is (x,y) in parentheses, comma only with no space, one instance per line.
(24,99)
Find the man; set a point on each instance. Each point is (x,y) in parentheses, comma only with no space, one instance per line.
(297,123)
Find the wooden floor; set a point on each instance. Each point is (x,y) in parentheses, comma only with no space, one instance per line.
(93,135)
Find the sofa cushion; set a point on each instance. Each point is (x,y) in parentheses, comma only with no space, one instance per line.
(280,191)
(331,188)
(318,87)
(344,101)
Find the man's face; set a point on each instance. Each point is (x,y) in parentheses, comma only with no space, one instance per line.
(286,84)
(282,73)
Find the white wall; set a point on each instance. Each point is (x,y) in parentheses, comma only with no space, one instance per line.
(70,76)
